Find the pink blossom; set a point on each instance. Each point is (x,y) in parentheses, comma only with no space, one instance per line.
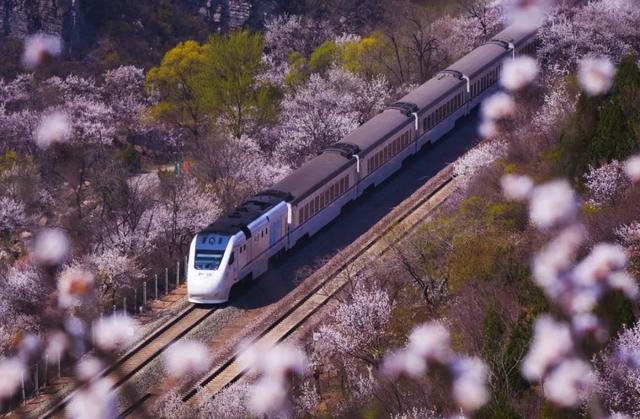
(431,341)
(519,72)
(552,203)
(88,368)
(93,401)
(470,384)
(596,75)
(74,286)
(604,259)
(51,247)
(186,357)
(488,129)
(568,382)
(38,46)
(57,344)
(498,106)
(12,371)
(115,331)
(516,187)
(632,168)
(403,362)
(53,128)
(268,397)
(551,343)
(527,14)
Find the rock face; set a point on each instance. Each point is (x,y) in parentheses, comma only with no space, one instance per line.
(19,18)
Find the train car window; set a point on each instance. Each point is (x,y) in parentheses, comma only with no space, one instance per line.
(317,204)
(300,213)
(232,258)
(322,200)
(346,182)
(306,212)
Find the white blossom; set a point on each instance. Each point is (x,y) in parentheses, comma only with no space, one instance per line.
(519,72)
(51,246)
(552,203)
(605,183)
(38,46)
(551,343)
(12,214)
(568,382)
(595,75)
(488,129)
(93,401)
(12,371)
(57,344)
(115,331)
(53,128)
(186,357)
(516,187)
(629,236)
(479,157)
(498,106)
(470,384)
(632,168)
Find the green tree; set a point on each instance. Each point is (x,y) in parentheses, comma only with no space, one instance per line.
(616,134)
(179,84)
(232,92)
(214,82)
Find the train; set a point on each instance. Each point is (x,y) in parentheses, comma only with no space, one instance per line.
(242,243)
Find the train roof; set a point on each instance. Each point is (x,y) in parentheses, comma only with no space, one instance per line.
(433,91)
(313,174)
(377,129)
(515,34)
(238,219)
(479,59)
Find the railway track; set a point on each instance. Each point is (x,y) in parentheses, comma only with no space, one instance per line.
(379,243)
(144,352)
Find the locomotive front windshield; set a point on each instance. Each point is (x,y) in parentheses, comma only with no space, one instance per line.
(209,250)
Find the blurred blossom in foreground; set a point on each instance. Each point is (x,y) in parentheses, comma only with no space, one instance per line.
(552,203)
(57,344)
(527,14)
(53,128)
(186,357)
(88,368)
(115,331)
(516,187)
(430,345)
(632,168)
(93,401)
(488,129)
(431,341)
(519,72)
(12,371)
(551,343)
(268,397)
(74,286)
(38,46)
(51,247)
(469,384)
(498,106)
(569,382)
(595,75)
(600,263)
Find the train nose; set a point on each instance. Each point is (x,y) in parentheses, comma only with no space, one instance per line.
(207,288)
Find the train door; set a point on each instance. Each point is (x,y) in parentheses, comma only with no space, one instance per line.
(275,230)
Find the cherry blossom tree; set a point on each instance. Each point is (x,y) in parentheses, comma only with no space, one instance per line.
(324,110)
(285,34)
(605,183)
(618,373)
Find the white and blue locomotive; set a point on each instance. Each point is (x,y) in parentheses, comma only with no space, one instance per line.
(240,244)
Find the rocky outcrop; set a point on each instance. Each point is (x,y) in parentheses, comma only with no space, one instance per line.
(21,17)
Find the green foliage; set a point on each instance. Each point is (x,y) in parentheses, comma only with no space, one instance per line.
(323,57)
(617,133)
(497,409)
(363,57)
(493,329)
(216,80)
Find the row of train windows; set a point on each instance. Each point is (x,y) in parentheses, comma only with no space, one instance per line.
(529,49)
(390,150)
(323,199)
(484,82)
(442,112)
